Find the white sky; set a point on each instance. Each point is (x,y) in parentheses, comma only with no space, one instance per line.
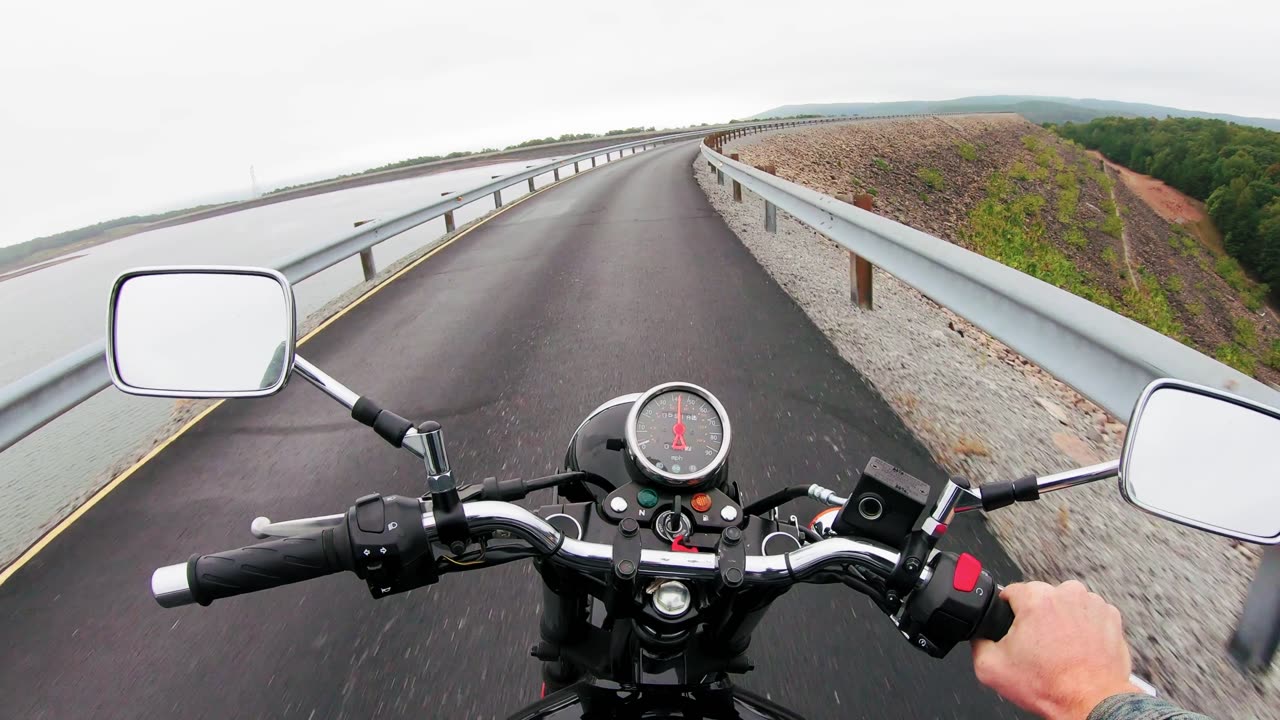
(128,106)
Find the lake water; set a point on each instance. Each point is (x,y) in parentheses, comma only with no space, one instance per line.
(51,312)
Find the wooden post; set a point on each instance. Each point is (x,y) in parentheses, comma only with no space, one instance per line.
(859,268)
(593,161)
(497,199)
(555,175)
(531,187)
(770,210)
(448,221)
(575,167)
(737,186)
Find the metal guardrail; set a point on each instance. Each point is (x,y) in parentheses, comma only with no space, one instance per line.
(1107,357)
(29,403)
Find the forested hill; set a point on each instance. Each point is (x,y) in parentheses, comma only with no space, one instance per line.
(1235,169)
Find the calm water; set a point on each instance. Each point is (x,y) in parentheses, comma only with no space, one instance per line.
(51,312)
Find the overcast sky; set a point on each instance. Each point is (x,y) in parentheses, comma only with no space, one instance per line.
(128,106)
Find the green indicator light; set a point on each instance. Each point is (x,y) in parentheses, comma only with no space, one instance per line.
(647,498)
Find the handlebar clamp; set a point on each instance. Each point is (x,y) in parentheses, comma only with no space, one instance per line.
(391,549)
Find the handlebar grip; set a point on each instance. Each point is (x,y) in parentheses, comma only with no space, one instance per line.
(205,578)
(996,621)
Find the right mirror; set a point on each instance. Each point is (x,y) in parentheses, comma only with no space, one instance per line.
(1204,458)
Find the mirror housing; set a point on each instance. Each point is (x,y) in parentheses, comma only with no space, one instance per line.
(1204,458)
(201,332)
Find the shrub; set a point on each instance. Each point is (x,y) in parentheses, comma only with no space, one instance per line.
(967,151)
(1174,284)
(1255,296)
(1195,308)
(880,163)
(1109,256)
(931,177)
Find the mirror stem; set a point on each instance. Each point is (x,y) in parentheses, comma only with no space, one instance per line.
(327,384)
(956,499)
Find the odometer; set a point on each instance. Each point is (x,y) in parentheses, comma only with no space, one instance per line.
(678,434)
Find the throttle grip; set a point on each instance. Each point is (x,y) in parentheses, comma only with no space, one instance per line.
(998,618)
(205,578)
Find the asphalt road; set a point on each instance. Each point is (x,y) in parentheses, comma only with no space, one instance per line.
(607,284)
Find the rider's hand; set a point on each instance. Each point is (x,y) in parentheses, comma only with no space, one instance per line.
(1064,654)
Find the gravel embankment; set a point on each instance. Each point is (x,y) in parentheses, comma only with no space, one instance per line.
(989,414)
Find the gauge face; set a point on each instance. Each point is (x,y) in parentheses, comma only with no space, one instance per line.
(679,434)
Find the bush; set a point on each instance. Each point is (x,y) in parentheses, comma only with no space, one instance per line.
(967,151)
(1195,308)
(931,177)
(1174,284)
(880,163)
(1109,256)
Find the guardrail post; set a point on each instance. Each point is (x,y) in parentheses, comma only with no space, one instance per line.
(719,176)
(859,267)
(737,186)
(531,186)
(366,256)
(555,175)
(593,161)
(770,210)
(1257,635)
(497,199)
(448,221)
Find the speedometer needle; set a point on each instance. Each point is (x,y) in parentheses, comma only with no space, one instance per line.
(678,428)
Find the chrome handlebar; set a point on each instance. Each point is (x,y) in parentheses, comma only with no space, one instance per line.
(487,516)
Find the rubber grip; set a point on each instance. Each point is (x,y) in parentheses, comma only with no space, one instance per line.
(270,564)
(996,621)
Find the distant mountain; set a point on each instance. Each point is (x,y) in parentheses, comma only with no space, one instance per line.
(1036,108)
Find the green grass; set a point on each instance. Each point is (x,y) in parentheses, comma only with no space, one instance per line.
(1110,257)
(1255,296)
(1196,309)
(1068,196)
(1229,269)
(880,163)
(924,196)
(967,151)
(1174,284)
(1076,238)
(931,177)
(1237,357)
(1246,334)
(1113,226)
(1007,227)
(872,191)
(1273,355)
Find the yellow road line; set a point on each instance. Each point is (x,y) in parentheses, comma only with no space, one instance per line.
(58,529)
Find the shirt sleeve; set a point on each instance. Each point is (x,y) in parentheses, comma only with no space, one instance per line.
(1136,706)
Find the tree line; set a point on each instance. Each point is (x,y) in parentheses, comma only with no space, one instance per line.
(1234,169)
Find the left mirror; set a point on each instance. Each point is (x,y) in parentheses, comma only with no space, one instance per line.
(201,332)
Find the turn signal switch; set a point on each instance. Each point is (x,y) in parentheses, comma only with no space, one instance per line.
(953,607)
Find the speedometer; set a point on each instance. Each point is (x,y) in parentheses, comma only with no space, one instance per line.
(678,435)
